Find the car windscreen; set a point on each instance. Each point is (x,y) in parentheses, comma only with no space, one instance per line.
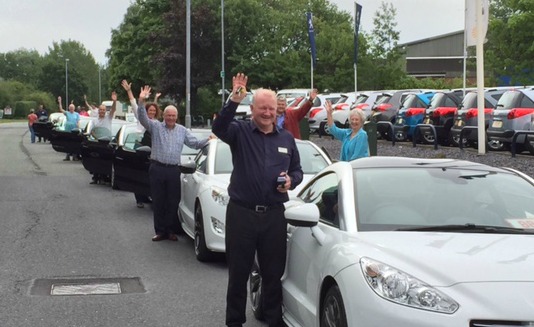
(311,160)
(393,198)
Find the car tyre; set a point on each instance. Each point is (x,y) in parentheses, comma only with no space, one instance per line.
(495,145)
(113,183)
(255,291)
(323,129)
(428,138)
(202,252)
(400,136)
(332,309)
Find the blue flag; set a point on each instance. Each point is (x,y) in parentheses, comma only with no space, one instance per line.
(311,34)
(357,15)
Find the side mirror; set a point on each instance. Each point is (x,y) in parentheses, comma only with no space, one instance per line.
(188,167)
(304,215)
(143,151)
(104,139)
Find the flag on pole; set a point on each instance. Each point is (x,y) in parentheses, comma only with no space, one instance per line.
(311,34)
(471,21)
(357,15)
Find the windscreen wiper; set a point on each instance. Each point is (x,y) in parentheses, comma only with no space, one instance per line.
(467,228)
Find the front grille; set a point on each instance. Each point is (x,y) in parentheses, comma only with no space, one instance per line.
(499,323)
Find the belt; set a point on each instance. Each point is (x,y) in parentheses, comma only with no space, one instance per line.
(157,163)
(260,208)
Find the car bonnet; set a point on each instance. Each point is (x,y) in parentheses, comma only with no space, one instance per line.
(443,259)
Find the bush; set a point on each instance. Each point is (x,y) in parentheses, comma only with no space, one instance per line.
(22,108)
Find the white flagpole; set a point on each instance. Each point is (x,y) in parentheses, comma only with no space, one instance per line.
(480,78)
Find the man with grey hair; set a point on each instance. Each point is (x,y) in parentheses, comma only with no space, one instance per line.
(168,139)
(266,166)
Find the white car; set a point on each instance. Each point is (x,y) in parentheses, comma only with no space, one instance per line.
(364,102)
(202,209)
(409,242)
(292,94)
(318,111)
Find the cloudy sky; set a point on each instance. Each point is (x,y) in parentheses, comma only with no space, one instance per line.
(35,24)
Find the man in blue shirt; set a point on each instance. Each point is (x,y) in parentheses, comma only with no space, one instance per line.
(255,222)
(168,139)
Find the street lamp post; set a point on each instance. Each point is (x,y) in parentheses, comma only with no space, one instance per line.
(99,85)
(66,83)
(222,53)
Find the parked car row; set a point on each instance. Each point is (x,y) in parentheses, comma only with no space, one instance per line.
(446,113)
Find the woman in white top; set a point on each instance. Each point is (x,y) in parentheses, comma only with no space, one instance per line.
(153,112)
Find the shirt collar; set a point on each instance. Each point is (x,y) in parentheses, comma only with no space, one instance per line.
(255,128)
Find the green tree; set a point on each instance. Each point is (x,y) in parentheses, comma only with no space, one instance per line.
(21,65)
(134,43)
(385,52)
(509,50)
(82,71)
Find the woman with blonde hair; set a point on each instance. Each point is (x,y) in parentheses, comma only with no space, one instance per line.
(354,139)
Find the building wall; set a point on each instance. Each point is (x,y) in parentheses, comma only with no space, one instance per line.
(440,56)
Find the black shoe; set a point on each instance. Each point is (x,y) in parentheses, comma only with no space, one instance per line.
(159,237)
(140,205)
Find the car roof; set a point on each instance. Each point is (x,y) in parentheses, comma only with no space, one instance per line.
(404,162)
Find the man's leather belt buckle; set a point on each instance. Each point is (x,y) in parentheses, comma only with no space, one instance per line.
(261,209)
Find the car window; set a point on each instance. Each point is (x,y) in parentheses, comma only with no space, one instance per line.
(223,159)
(201,161)
(323,192)
(387,199)
(98,132)
(526,102)
(133,141)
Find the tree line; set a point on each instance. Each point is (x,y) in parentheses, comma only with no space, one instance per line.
(267,39)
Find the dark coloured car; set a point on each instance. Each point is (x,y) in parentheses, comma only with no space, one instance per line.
(410,114)
(386,108)
(440,114)
(69,141)
(45,124)
(514,112)
(98,147)
(131,160)
(467,115)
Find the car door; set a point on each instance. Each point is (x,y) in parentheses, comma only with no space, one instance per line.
(130,164)
(303,278)
(190,188)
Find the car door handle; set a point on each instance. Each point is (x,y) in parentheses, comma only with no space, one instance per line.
(119,158)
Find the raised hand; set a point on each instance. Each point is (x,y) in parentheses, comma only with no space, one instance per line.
(126,86)
(145,93)
(114,96)
(239,87)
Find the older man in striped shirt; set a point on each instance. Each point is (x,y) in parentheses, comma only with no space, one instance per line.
(168,139)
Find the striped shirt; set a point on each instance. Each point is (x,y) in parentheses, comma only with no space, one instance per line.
(167,143)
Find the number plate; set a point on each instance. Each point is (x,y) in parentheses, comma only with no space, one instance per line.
(496,124)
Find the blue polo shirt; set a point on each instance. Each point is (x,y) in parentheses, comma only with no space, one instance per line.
(258,158)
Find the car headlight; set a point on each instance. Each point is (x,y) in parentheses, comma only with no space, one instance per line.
(401,288)
(219,195)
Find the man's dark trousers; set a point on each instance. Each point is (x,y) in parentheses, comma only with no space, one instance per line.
(166,190)
(248,232)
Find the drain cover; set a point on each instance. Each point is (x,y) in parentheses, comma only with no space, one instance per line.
(86,286)
(85,289)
